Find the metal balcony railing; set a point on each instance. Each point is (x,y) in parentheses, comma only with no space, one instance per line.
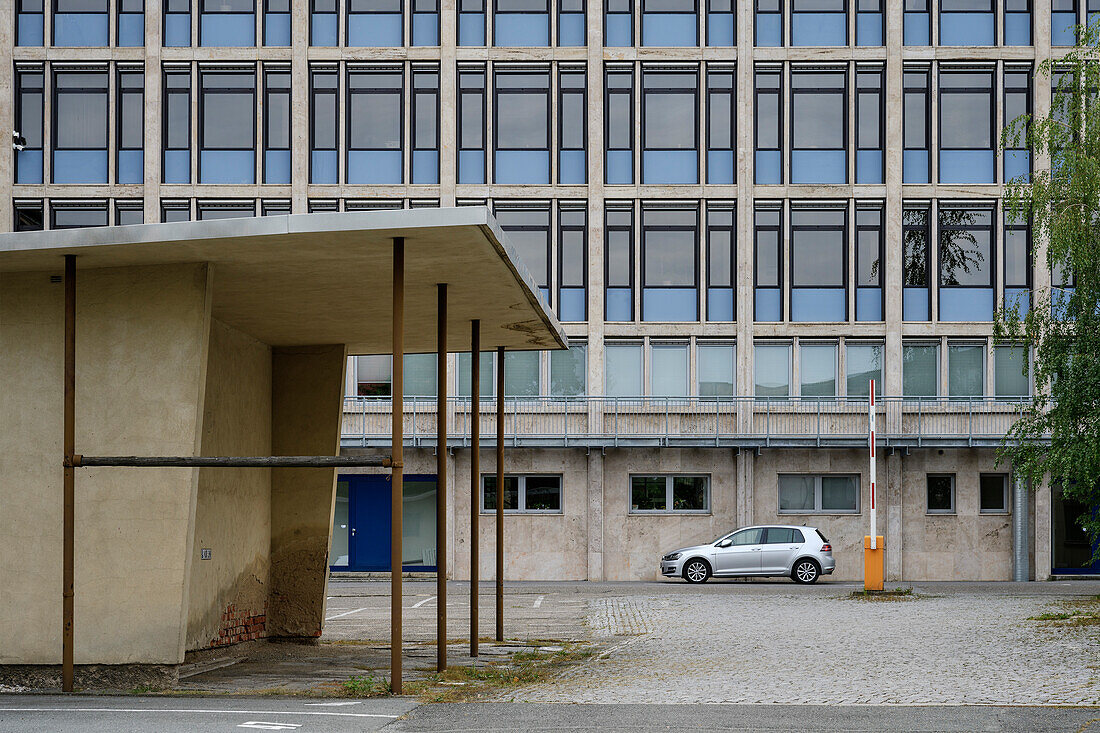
(748,422)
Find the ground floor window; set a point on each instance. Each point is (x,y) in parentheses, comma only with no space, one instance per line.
(801,493)
(531,494)
(994,493)
(670,494)
(941,493)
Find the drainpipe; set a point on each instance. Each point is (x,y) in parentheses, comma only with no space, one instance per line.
(1021,570)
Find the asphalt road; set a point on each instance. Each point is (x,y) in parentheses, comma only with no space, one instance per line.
(33,713)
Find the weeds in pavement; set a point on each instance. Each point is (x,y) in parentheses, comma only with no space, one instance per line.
(365,686)
(1079,612)
(897,594)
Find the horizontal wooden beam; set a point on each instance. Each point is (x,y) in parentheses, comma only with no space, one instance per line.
(79,461)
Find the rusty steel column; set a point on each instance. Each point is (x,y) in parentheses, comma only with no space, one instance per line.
(69,443)
(441,481)
(397,451)
(475,471)
(500,493)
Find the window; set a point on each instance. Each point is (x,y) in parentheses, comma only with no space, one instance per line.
(819,264)
(374,375)
(227,23)
(966,127)
(819,114)
(572,127)
(768,27)
(916,164)
(920,369)
(668,370)
(80,127)
(323,126)
(277,126)
(721,23)
(471,126)
(783,536)
(173,211)
(916,290)
(375,23)
(870,124)
(425,126)
(177,125)
(130,126)
(131,23)
(521,374)
(1018,23)
(425,22)
(177,23)
(819,23)
(941,493)
(670,263)
(227,127)
(323,205)
(522,494)
(211,210)
(817,366)
(618,19)
(669,23)
(818,493)
(1017,103)
(28,216)
(965,370)
(571,25)
(1017,265)
(863,363)
(80,23)
(967,23)
(917,23)
(619,264)
(1063,22)
(869,263)
(716,369)
(486,382)
(1010,371)
(323,22)
(471,22)
(619,120)
(129,212)
(769,127)
(721,126)
(275,207)
(773,369)
(568,371)
(29,22)
(768,265)
(572,263)
(521,127)
(966,264)
(521,23)
(28,124)
(78,214)
(687,494)
(276,22)
(623,370)
(870,23)
(721,262)
(375,116)
(528,228)
(993,491)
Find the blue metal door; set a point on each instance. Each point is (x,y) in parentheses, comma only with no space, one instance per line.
(369,514)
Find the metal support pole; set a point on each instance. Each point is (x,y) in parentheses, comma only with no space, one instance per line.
(441,481)
(475,472)
(1021,555)
(397,451)
(500,492)
(69,443)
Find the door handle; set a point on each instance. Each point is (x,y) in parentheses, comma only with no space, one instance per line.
(353,531)
(757,549)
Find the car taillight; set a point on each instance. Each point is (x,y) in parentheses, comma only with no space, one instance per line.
(826,548)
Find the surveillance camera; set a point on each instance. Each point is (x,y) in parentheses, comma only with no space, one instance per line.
(18,141)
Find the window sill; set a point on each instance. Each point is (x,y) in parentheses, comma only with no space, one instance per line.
(670,512)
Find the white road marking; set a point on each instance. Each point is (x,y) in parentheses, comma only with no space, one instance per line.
(538,601)
(270,726)
(345,613)
(418,604)
(335,704)
(196,710)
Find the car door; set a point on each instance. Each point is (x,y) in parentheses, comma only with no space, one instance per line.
(742,555)
(781,544)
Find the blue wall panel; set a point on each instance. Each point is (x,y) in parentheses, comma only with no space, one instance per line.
(131,166)
(869,29)
(425,29)
(521,166)
(967,166)
(720,167)
(374,166)
(471,29)
(375,29)
(768,304)
(28,29)
(571,307)
(1062,31)
(1019,297)
(818,304)
(277,29)
(323,166)
(768,167)
(227,166)
(619,304)
(277,166)
(620,167)
(670,166)
(720,30)
(769,29)
(915,167)
(80,166)
(669,29)
(966,29)
(1017,29)
(471,166)
(177,166)
(572,167)
(177,30)
(818,166)
(425,166)
(80,29)
(915,29)
(1017,165)
(819,29)
(617,31)
(966,304)
(322,31)
(571,29)
(868,304)
(227,29)
(521,29)
(914,305)
(670,304)
(719,304)
(869,166)
(131,29)
(28,166)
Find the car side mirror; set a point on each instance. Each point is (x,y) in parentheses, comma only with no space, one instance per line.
(725,543)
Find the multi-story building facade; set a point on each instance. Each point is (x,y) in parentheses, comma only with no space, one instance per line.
(741,212)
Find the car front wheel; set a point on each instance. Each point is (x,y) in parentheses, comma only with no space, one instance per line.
(805,571)
(696,571)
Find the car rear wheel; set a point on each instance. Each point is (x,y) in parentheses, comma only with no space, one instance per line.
(696,571)
(805,571)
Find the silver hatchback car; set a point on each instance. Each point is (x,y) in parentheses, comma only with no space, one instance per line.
(803,553)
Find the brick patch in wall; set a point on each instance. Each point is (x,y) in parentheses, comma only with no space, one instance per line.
(238,626)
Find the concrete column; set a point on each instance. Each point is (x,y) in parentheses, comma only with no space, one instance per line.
(306,390)
(1042,527)
(1021,556)
(745,483)
(595,515)
(895,514)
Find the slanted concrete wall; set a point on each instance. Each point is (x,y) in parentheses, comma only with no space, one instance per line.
(307,387)
(141,357)
(227,598)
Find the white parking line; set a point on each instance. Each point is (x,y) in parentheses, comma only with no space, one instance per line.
(538,602)
(418,604)
(345,613)
(195,710)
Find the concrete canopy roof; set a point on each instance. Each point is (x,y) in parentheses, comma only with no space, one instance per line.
(326,278)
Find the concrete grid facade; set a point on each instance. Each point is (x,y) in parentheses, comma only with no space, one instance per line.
(596,535)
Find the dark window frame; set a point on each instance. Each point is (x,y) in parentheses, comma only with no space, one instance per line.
(991,92)
(564,210)
(348,13)
(465,91)
(547,91)
(96,205)
(670,480)
(21,89)
(926,92)
(631,254)
(757,227)
(608,12)
(629,93)
(269,92)
(416,92)
(953,509)
(729,90)
(203,91)
(57,91)
(582,92)
(731,229)
(777,92)
(817,90)
(782,22)
(941,228)
(844,238)
(122,93)
(583,12)
(542,207)
(351,92)
(315,93)
(881,229)
(497,11)
(693,93)
(877,91)
(521,493)
(645,229)
(818,481)
(1024,226)
(926,230)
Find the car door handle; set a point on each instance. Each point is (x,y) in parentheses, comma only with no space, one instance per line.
(757,549)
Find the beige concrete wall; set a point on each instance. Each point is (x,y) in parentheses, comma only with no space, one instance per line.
(140,378)
(233,506)
(307,385)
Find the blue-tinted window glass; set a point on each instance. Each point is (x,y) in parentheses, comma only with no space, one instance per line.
(1017,22)
(227,23)
(721,264)
(670,137)
(721,23)
(619,265)
(375,23)
(521,128)
(768,28)
(177,23)
(819,259)
(471,22)
(227,127)
(619,122)
(323,23)
(618,20)
(29,22)
(375,113)
(669,23)
(1017,105)
(870,23)
(571,23)
(869,264)
(869,126)
(768,118)
(277,105)
(324,127)
(28,217)
(80,22)
(130,127)
(276,22)
(425,22)
(721,127)
(967,23)
(670,264)
(131,23)
(80,127)
(916,255)
(1017,265)
(28,124)
(425,127)
(573,126)
(966,127)
(966,264)
(528,230)
(572,264)
(77,216)
(521,22)
(177,126)
(819,23)
(1063,22)
(916,129)
(471,126)
(916,23)
(767,265)
(819,125)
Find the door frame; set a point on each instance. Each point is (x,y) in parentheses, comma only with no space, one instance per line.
(361,482)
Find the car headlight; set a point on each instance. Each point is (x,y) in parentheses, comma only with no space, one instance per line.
(673,556)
